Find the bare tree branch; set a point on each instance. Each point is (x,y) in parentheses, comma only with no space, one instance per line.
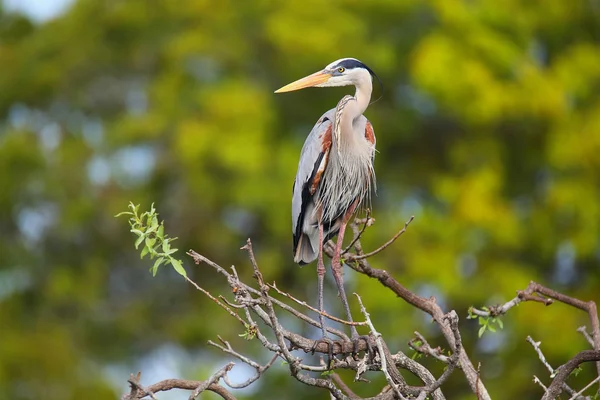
(536,292)
(427,305)
(213,379)
(257,305)
(383,354)
(538,350)
(565,370)
(139,392)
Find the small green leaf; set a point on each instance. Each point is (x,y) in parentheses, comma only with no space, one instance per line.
(482,321)
(482,330)
(137,232)
(144,252)
(161,231)
(123,213)
(327,373)
(150,242)
(491,328)
(500,323)
(139,241)
(153,252)
(157,264)
(178,267)
(165,246)
(171,251)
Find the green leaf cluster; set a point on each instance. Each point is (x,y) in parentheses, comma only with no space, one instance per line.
(152,235)
(249,333)
(488,323)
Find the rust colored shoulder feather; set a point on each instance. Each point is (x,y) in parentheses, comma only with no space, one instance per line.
(369,133)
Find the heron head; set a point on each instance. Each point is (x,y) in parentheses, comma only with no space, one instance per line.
(342,72)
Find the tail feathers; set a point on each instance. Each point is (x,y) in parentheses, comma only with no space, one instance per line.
(308,245)
(306,251)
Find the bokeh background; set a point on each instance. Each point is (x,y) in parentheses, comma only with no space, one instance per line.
(488,132)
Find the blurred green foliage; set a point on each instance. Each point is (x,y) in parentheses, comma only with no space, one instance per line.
(488,132)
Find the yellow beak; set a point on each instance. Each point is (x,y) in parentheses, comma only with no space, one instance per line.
(308,81)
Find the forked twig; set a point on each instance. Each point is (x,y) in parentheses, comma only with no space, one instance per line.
(367,221)
(380,349)
(305,304)
(383,246)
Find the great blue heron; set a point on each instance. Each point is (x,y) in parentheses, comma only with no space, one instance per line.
(335,173)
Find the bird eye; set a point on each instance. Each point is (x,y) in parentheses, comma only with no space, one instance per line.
(341,69)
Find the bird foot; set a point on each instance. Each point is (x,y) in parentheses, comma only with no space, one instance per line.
(356,344)
(330,344)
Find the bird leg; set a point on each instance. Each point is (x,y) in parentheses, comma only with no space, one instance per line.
(336,266)
(338,274)
(321,277)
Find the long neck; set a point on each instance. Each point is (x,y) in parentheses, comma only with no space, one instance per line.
(349,109)
(364,87)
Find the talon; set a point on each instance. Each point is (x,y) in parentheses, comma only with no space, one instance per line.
(330,344)
(329,348)
(356,344)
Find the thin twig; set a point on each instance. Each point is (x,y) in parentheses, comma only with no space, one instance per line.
(134,381)
(586,335)
(259,371)
(383,246)
(226,347)
(380,348)
(538,350)
(589,385)
(342,385)
(537,380)
(210,296)
(426,349)
(452,319)
(497,310)
(235,283)
(305,304)
(536,346)
(213,379)
(367,221)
